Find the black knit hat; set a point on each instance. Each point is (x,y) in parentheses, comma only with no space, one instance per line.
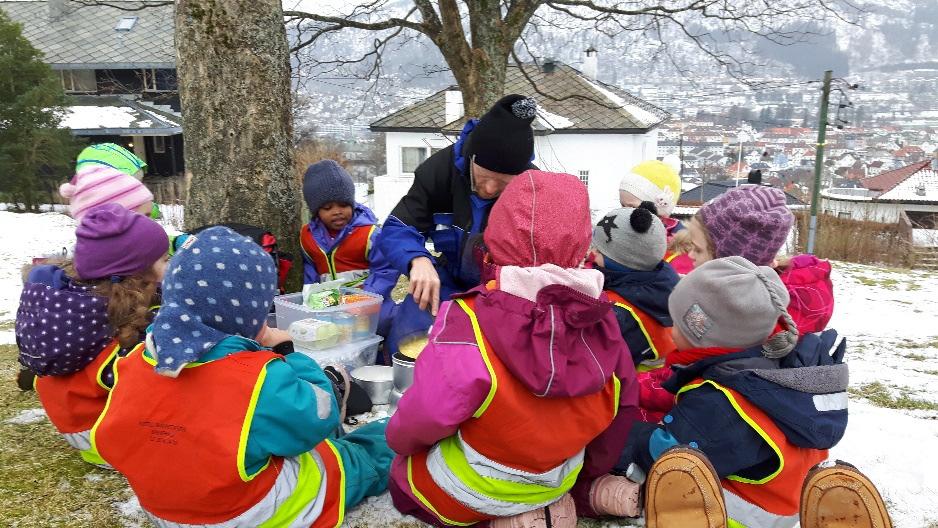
(503,140)
(326,181)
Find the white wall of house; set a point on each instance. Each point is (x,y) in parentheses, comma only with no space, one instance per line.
(604,157)
(396,141)
(887,213)
(599,159)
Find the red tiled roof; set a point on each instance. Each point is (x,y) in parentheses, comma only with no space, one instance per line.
(887,181)
(908,151)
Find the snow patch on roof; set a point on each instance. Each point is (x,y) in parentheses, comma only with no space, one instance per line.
(644,116)
(91,117)
(552,120)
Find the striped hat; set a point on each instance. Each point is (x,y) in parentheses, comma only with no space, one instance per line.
(110,155)
(97,184)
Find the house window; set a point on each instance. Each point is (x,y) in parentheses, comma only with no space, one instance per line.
(585,177)
(844,214)
(78,81)
(411,158)
(159,144)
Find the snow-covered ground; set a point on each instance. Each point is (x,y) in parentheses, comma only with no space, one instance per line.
(889,317)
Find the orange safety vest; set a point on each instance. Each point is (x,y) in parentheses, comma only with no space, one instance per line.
(656,335)
(350,254)
(181,444)
(773,500)
(514,429)
(74,402)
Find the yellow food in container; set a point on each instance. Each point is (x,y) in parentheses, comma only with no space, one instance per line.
(412,347)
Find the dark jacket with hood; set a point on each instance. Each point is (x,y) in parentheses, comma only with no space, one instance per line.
(646,290)
(803,394)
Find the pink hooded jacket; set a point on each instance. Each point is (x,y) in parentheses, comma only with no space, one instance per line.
(539,231)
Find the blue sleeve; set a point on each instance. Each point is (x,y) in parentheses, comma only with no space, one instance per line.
(309,271)
(382,277)
(704,419)
(295,411)
(400,243)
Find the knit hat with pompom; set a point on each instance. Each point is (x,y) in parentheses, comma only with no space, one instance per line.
(503,141)
(635,238)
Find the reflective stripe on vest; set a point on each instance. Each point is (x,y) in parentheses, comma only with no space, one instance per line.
(185,476)
(471,476)
(74,402)
(657,336)
(744,514)
(773,500)
(82,442)
(348,254)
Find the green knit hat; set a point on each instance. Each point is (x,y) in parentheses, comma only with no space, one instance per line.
(110,155)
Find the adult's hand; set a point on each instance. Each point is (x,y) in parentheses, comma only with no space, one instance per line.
(425,284)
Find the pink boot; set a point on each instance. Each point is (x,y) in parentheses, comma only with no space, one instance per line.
(616,496)
(562,515)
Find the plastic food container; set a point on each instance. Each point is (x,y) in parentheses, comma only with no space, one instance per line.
(313,334)
(351,355)
(356,321)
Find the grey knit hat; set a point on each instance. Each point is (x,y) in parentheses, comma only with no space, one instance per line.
(635,238)
(326,181)
(732,303)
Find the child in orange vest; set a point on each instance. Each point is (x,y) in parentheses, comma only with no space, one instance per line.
(77,317)
(525,390)
(754,415)
(628,247)
(211,425)
(338,238)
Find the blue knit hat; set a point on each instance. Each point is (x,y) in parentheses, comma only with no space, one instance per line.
(326,181)
(219,284)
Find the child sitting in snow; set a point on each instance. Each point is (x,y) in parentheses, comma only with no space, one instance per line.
(752,417)
(76,318)
(753,221)
(210,426)
(525,386)
(657,182)
(628,247)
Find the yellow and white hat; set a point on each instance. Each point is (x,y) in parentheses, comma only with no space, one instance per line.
(653,181)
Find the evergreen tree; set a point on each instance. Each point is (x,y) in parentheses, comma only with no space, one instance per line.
(34,153)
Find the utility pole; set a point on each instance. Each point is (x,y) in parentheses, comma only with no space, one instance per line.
(819,160)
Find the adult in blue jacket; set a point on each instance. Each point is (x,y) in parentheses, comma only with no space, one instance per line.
(449,203)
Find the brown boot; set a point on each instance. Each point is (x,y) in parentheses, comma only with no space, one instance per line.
(683,491)
(561,514)
(840,496)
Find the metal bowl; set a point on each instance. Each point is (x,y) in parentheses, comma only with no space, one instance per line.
(395,397)
(377,380)
(403,371)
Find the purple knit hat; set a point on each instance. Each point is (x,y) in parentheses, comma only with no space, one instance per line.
(750,221)
(116,242)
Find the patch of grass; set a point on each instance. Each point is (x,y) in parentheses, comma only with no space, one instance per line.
(915,357)
(931,342)
(912,286)
(929,372)
(44,482)
(879,394)
(7,325)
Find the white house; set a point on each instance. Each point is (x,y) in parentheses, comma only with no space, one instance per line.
(584,127)
(912,190)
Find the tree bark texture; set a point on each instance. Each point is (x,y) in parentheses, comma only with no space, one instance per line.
(234,85)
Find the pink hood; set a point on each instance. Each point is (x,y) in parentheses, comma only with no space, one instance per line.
(553,329)
(808,280)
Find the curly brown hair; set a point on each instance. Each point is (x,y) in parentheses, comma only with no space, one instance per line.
(129,301)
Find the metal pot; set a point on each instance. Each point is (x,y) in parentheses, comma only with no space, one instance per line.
(403,371)
(395,397)
(377,380)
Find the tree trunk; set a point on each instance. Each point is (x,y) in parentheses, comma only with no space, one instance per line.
(234,85)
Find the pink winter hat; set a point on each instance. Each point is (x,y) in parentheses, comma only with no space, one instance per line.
(540,218)
(97,185)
